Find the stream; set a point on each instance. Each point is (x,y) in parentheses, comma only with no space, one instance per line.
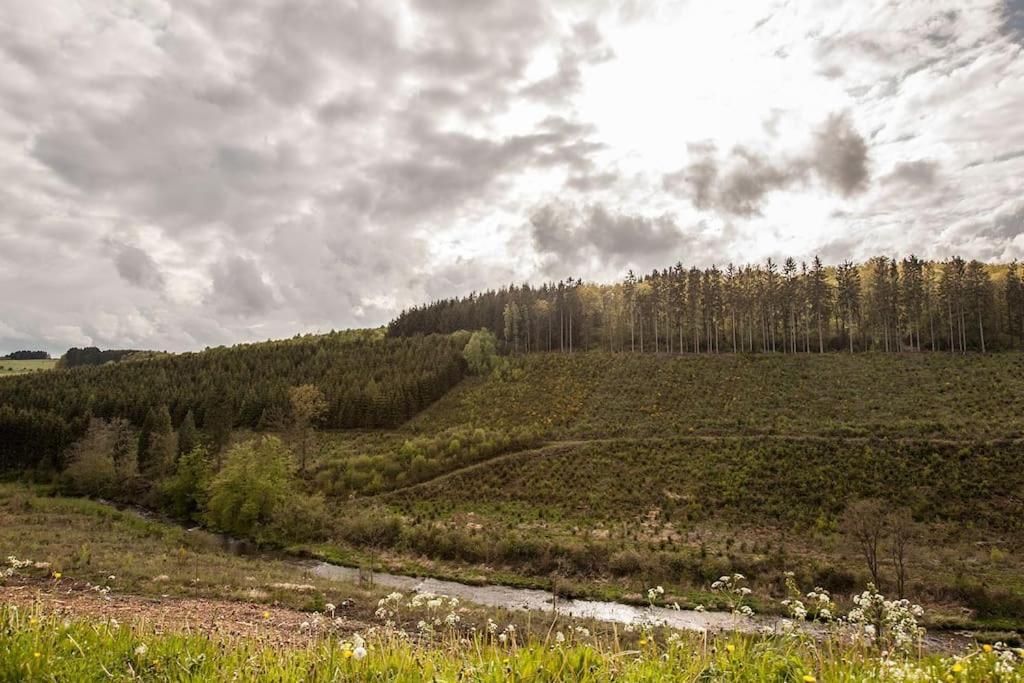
(531,599)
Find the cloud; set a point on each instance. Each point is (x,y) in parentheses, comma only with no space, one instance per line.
(841,155)
(922,173)
(239,288)
(138,268)
(739,184)
(594,237)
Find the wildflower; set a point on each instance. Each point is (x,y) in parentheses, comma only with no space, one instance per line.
(57,575)
(359,652)
(329,608)
(957,668)
(559,637)
(266,614)
(986,647)
(37,654)
(808,678)
(141,650)
(730,648)
(346,653)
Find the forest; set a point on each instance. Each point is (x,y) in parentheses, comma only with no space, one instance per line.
(26,355)
(879,305)
(364,381)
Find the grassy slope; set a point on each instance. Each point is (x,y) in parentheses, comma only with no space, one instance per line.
(21,367)
(596,394)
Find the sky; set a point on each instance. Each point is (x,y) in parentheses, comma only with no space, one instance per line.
(184,174)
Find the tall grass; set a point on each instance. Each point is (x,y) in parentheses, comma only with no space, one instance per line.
(35,647)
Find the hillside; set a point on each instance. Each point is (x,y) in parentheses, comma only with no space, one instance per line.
(597,395)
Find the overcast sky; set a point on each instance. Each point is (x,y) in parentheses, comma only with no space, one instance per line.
(184,173)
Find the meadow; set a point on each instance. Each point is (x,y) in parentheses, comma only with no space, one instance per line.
(24,367)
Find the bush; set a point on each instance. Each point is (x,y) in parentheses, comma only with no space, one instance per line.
(103,462)
(256,495)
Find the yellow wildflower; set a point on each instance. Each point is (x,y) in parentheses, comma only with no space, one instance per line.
(57,575)
(730,647)
(958,667)
(808,678)
(986,647)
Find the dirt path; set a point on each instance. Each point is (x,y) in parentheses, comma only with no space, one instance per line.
(554,446)
(219,619)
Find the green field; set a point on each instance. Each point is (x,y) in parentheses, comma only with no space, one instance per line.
(23,367)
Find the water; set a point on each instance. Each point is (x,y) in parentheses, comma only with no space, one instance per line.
(543,601)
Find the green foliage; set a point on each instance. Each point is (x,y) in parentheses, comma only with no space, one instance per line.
(394,464)
(481,352)
(185,492)
(104,461)
(188,435)
(255,495)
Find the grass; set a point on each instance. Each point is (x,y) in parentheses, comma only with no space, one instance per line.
(35,647)
(24,367)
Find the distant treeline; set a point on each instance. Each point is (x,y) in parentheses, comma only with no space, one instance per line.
(879,305)
(90,355)
(367,381)
(26,355)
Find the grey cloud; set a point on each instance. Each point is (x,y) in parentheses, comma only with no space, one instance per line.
(922,173)
(239,288)
(841,155)
(1012,15)
(998,158)
(568,238)
(138,268)
(742,189)
(588,182)
(738,184)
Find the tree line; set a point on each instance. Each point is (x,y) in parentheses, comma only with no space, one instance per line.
(26,355)
(91,355)
(882,304)
(364,380)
